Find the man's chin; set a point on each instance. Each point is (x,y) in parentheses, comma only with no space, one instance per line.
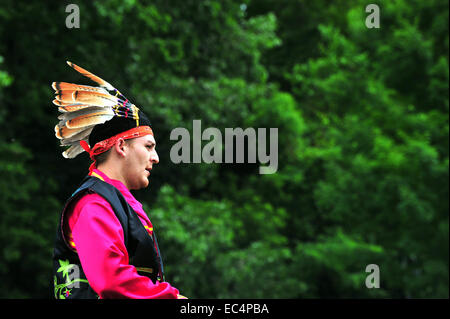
(143,184)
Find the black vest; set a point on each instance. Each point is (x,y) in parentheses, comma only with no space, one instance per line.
(68,276)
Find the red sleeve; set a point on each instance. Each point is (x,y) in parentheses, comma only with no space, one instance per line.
(99,241)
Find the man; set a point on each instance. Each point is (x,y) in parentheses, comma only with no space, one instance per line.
(105,244)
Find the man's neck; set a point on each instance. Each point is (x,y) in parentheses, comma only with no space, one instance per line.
(113,173)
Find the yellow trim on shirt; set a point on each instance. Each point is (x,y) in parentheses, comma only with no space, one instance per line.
(96,175)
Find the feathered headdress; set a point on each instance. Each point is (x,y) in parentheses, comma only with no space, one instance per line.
(94,114)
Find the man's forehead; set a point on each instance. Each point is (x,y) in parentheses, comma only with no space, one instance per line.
(148,139)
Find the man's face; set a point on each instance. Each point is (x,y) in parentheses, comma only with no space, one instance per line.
(142,156)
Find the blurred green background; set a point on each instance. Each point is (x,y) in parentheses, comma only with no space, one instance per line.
(362,117)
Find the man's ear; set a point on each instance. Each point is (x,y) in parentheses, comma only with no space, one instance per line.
(121,147)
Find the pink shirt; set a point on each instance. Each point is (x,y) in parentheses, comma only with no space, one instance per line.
(94,232)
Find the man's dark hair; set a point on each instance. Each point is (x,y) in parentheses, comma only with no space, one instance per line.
(101,158)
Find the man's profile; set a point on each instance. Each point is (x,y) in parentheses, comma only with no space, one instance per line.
(103,232)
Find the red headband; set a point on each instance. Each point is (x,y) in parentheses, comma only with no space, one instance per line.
(105,145)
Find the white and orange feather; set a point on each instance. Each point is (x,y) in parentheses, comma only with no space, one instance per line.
(83,106)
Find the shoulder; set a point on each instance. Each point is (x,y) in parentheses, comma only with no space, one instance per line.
(92,202)
(93,192)
(91,199)
(88,205)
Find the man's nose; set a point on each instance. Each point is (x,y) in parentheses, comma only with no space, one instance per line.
(154,158)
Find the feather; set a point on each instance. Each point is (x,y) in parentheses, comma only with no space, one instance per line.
(62,132)
(89,119)
(73,107)
(87,110)
(59,103)
(84,134)
(88,98)
(57,86)
(65,96)
(60,124)
(70,106)
(91,76)
(73,151)
(94,98)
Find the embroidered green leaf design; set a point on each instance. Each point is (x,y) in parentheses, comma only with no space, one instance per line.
(65,267)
